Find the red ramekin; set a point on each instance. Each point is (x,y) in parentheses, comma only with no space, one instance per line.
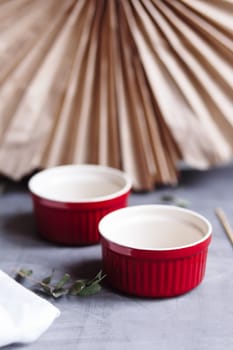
(154,250)
(70,200)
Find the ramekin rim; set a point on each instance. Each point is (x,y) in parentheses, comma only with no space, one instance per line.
(125,189)
(169,207)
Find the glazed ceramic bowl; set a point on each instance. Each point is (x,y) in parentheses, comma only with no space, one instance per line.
(70,200)
(154,250)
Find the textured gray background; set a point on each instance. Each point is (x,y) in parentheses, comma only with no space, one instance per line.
(201,319)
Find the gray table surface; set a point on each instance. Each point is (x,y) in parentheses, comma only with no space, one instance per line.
(201,319)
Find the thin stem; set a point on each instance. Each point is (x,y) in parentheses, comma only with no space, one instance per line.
(225,223)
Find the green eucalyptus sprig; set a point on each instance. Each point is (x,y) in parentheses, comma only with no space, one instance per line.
(64,286)
(170,199)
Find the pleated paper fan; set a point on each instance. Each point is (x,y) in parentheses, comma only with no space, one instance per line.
(138,85)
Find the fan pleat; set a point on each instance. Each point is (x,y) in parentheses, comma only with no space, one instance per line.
(138,85)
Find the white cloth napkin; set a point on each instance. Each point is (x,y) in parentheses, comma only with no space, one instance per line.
(24,316)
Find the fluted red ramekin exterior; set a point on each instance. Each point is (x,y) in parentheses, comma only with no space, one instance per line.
(73,223)
(148,273)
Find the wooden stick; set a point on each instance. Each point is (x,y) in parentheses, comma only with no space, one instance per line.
(225,223)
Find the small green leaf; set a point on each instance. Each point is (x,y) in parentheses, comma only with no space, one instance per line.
(57,293)
(98,278)
(24,273)
(46,288)
(90,290)
(183,203)
(179,202)
(62,281)
(47,280)
(77,287)
(167,197)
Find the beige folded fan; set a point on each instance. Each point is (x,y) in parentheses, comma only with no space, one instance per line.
(134,84)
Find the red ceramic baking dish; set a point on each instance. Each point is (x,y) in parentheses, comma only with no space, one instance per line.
(154,250)
(70,200)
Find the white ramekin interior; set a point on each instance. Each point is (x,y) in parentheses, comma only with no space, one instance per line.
(154,227)
(79,183)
